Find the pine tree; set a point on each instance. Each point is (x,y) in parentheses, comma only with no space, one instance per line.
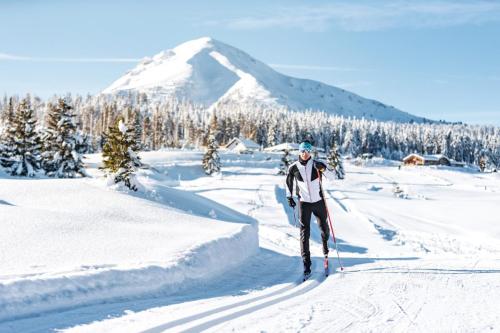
(21,155)
(7,112)
(211,160)
(83,144)
(214,128)
(334,162)
(134,123)
(7,140)
(285,162)
(49,136)
(119,158)
(61,143)
(273,135)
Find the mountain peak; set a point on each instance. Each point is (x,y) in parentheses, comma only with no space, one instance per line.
(207,71)
(195,45)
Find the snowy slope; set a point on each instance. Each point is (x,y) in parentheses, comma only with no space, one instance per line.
(70,242)
(412,264)
(209,72)
(428,262)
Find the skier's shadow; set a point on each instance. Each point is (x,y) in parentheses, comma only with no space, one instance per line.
(280,195)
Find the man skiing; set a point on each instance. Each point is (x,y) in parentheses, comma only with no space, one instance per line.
(306,173)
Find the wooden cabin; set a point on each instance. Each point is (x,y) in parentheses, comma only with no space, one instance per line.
(416,159)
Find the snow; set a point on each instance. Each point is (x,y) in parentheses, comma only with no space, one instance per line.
(283,146)
(122,127)
(209,72)
(426,263)
(72,242)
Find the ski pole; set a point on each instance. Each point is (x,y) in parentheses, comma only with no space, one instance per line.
(295,218)
(293,211)
(330,221)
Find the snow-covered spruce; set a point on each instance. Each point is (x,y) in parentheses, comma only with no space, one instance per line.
(7,120)
(134,124)
(21,143)
(335,162)
(62,143)
(211,160)
(120,160)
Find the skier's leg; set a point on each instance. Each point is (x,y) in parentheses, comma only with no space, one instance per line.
(305,229)
(322,216)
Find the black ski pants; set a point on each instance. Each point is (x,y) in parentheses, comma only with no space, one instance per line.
(317,208)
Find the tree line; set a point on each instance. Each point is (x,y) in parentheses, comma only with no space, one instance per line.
(182,124)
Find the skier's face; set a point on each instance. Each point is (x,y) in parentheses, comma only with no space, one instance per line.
(304,154)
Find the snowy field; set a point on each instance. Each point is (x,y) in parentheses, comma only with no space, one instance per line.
(194,253)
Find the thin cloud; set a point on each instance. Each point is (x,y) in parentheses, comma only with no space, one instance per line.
(12,57)
(5,56)
(314,68)
(370,16)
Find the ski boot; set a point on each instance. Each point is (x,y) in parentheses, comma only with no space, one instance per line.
(307,274)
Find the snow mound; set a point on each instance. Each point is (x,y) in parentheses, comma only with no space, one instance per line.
(70,242)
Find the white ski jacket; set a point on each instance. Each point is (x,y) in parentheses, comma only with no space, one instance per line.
(306,178)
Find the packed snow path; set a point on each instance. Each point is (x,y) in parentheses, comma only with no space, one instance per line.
(429,262)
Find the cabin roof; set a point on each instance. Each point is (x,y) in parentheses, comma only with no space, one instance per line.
(241,143)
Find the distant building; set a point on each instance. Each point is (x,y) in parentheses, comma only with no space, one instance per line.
(283,146)
(438,159)
(367,156)
(291,147)
(242,145)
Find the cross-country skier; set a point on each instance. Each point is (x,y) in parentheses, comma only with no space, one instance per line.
(304,173)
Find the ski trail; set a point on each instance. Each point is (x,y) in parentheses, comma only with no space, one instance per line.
(283,235)
(218,315)
(217,310)
(310,284)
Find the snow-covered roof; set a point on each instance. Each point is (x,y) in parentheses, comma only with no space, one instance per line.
(283,146)
(435,157)
(242,144)
(290,147)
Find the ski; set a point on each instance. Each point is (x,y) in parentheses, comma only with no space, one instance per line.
(325,264)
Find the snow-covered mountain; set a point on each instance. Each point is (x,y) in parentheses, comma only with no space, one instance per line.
(208,72)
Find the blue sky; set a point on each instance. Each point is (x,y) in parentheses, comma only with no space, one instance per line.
(438,59)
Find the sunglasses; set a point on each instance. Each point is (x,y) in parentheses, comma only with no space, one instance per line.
(304,150)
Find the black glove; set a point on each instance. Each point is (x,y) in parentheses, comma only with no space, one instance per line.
(291,202)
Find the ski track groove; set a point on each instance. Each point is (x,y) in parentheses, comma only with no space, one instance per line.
(276,297)
(351,304)
(259,203)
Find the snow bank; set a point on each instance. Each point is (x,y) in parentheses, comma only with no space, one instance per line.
(71,242)
(39,294)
